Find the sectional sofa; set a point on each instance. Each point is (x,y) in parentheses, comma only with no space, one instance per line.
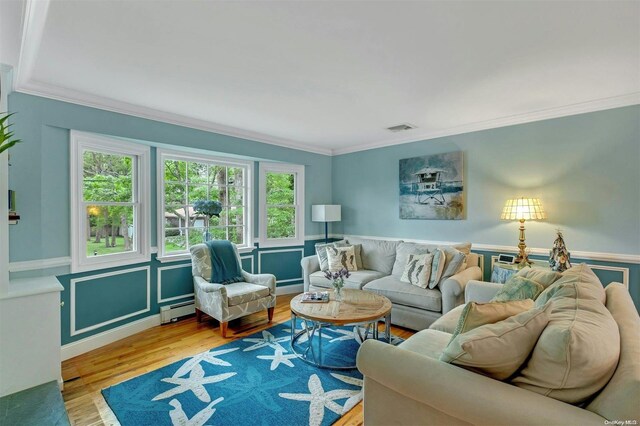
(583,370)
(383,263)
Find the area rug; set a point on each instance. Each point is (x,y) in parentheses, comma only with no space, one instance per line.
(254,380)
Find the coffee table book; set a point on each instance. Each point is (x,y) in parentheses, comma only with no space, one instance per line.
(315,297)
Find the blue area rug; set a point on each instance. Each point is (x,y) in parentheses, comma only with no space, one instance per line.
(256,379)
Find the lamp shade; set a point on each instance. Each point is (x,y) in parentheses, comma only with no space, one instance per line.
(523,209)
(326,213)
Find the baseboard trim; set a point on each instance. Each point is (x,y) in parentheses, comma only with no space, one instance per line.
(96,341)
(289,289)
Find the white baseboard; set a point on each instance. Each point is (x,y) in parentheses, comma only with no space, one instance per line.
(90,343)
(290,289)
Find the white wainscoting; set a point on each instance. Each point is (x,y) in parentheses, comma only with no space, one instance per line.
(301,250)
(250,258)
(169,299)
(75,281)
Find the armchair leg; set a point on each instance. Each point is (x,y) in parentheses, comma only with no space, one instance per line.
(198,315)
(270,313)
(223,328)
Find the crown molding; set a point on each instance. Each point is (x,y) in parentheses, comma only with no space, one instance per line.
(107,104)
(35,14)
(545,114)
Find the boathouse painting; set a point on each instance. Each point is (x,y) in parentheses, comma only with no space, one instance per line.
(432,187)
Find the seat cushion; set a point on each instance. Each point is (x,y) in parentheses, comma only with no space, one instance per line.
(497,349)
(430,343)
(357,279)
(376,255)
(242,292)
(406,294)
(578,351)
(449,321)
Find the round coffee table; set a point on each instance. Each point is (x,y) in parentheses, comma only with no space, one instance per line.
(358,308)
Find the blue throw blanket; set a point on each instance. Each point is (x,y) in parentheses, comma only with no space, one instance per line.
(225,268)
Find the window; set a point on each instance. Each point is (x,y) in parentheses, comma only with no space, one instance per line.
(110,199)
(183,180)
(281,205)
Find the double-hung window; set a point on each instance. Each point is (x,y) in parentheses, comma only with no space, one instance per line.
(185,179)
(110,202)
(281,205)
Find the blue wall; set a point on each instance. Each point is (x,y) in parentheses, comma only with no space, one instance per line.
(583,167)
(39,174)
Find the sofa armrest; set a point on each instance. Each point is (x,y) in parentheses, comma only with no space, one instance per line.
(265,280)
(462,394)
(453,287)
(208,287)
(480,291)
(310,264)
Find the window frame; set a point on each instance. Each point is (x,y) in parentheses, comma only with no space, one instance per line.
(166,154)
(80,142)
(298,172)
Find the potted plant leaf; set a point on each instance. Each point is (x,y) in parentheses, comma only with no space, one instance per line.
(6,135)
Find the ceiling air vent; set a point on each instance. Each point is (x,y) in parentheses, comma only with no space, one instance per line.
(401,127)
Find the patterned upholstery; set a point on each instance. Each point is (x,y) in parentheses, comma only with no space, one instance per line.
(227,302)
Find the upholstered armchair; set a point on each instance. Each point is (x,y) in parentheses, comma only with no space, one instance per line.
(229,301)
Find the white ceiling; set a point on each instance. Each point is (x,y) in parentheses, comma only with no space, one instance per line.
(331,76)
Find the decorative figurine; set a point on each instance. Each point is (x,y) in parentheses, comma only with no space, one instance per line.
(559,257)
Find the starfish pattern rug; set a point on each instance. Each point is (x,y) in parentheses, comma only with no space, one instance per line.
(256,379)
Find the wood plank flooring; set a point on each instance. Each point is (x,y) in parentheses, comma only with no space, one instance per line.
(85,375)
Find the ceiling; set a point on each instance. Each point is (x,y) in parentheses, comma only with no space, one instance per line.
(328,76)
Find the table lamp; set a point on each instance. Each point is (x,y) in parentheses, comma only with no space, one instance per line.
(523,209)
(326,213)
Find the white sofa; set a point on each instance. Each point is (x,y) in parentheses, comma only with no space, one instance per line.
(383,261)
(408,385)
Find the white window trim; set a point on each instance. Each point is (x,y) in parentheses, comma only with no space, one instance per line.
(79,261)
(298,171)
(164,154)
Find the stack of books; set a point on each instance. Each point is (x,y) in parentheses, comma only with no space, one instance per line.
(315,297)
(14,217)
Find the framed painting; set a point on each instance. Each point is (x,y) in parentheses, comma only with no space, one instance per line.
(432,187)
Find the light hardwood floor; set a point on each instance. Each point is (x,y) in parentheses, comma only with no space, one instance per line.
(84,376)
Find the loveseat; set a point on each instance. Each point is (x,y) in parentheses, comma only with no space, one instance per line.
(421,389)
(383,263)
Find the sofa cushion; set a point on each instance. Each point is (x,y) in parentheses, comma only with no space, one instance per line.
(518,288)
(405,249)
(341,258)
(543,277)
(321,252)
(474,314)
(437,267)
(356,279)
(242,292)
(499,349)
(578,351)
(429,343)
(418,270)
(377,255)
(454,263)
(448,322)
(590,286)
(406,294)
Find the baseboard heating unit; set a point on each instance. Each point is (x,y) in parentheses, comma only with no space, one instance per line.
(172,313)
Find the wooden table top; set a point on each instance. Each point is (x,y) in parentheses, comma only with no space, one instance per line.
(356,306)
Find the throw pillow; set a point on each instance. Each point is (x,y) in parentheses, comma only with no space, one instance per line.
(358,250)
(341,258)
(321,252)
(453,262)
(437,267)
(475,314)
(518,288)
(418,269)
(497,350)
(578,351)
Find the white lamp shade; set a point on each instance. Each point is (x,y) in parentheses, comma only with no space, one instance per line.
(326,213)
